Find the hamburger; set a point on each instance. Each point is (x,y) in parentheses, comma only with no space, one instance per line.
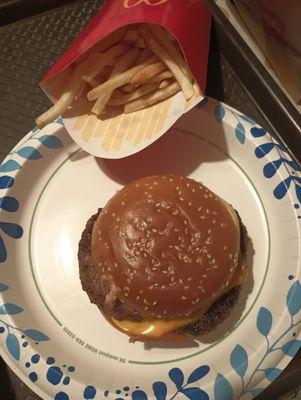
(164,259)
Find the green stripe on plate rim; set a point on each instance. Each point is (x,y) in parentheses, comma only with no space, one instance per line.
(175,359)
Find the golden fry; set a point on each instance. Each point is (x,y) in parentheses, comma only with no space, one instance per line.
(128,88)
(164,56)
(141,91)
(66,99)
(125,62)
(152,99)
(103,60)
(162,35)
(164,84)
(147,73)
(110,40)
(118,80)
(161,77)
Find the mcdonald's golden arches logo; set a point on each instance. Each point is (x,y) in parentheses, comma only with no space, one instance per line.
(134,3)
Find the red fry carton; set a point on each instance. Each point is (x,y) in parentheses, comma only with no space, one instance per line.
(116,134)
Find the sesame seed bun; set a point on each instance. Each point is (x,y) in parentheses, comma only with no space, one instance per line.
(164,247)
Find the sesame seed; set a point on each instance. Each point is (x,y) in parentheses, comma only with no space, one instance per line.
(230,256)
(123,203)
(164,312)
(186,287)
(190,204)
(204,276)
(155,303)
(189,279)
(113,215)
(100,264)
(163,287)
(140,291)
(200,208)
(181,280)
(223,225)
(207,211)
(214,212)
(126,288)
(170,180)
(225,248)
(126,294)
(137,297)
(181,199)
(193,190)
(115,265)
(175,212)
(145,308)
(183,297)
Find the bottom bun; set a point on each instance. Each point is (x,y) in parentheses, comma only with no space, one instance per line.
(97,290)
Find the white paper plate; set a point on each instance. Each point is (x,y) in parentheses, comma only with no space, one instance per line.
(60,344)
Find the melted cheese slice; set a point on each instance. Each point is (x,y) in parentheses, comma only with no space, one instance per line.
(159,327)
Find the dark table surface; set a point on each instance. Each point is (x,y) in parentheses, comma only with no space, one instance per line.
(28,48)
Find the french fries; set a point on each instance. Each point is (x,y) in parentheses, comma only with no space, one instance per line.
(152,99)
(118,80)
(162,36)
(144,55)
(103,61)
(131,69)
(125,62)
(141,91)
(147,73)
(166,57)
(131,37)
(161,77)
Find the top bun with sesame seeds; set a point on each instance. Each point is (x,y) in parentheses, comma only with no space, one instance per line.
(164,249)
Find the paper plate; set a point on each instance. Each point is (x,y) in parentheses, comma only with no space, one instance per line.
(60,344)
